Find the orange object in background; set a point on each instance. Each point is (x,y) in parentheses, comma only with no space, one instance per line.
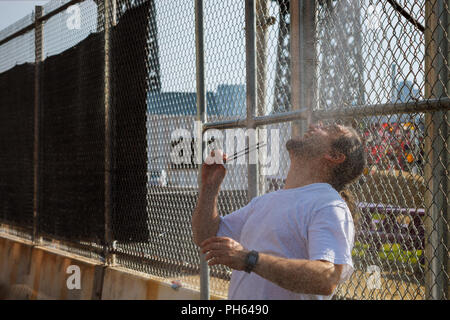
(409,158)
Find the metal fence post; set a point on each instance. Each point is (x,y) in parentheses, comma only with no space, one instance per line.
(108,246)
(262,24)
(262,12)
(436,153)
(303,60)
(201,118)
(251,96)
(38,41)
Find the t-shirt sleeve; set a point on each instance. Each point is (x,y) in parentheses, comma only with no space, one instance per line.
(231,225)
(331,236)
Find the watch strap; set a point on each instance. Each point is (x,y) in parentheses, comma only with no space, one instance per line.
(250,260)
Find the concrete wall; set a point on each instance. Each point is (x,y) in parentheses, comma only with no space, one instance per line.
(33,272)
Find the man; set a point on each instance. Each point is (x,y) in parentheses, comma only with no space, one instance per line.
(293,243)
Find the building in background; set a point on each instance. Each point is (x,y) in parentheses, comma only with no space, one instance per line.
(405,91)
(172,111)
(227,101)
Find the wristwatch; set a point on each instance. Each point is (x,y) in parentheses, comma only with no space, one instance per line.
(250,260)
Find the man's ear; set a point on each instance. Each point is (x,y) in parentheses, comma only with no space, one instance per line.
(335,157)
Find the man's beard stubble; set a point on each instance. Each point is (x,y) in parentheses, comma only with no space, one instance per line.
(301,147)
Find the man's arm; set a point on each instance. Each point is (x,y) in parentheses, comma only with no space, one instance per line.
(301,276)
(205,218)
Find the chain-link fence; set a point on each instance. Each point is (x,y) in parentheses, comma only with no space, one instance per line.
(100,99)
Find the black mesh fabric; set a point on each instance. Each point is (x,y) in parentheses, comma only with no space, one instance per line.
(72,143)
(129,92)
(16,145)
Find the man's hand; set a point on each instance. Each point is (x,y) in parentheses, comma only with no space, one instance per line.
(226,251)
(213,171)
(298,275)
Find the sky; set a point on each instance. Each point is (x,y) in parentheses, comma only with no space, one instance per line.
(225,43)
(13,10)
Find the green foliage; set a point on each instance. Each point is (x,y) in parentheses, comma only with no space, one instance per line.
(389,252)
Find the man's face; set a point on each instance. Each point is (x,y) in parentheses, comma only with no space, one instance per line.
(315,142)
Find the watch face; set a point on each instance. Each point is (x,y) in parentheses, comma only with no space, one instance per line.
(252,259)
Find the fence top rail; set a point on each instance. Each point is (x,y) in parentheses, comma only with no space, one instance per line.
(32,25)
(259,120)
(419,106)
(428,105)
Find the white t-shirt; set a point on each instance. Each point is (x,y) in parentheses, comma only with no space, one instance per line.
(311,222)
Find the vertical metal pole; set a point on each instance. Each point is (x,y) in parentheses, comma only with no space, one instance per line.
(262,17)
(262,12)
(303,60)
(359,56)
(251,96)
(446,161)
(38,42)
(201,118)
(101,13)
(109,257)
(436,153)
